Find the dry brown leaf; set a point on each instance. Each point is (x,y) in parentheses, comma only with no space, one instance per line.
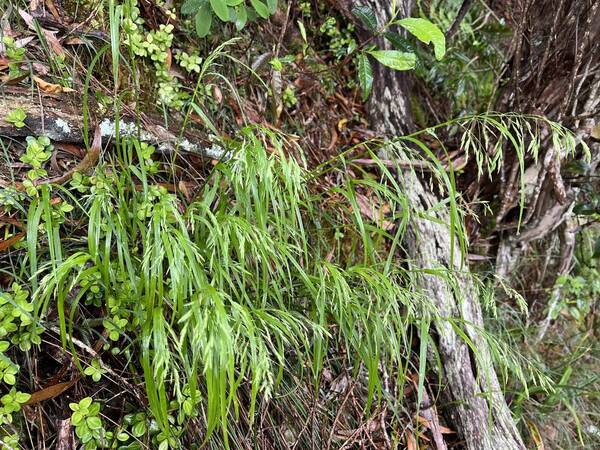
(536,435)
(4,245)
(11,221)
(74,40)
(50,392)
(372,210)
(52,8)
(169,59)
(6,79)
(411,443)
(186,189)
(427,424)
(49,36)
(72,149)
(217,94)
(40,69)
(51,88)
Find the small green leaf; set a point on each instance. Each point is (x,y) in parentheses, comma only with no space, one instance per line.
(122,436)
(188,407)
(366,16)
(277,65)
(76,418)
(302,31)
(17,117)
(395,59)
(66,207)
(94,423)
(138,429)
(203,20)
(426,32)
(85,402)
(22,397)
(260,8)
(9,378)
(94,409)
(220,9)
(365,75)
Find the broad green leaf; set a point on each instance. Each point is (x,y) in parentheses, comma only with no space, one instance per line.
(260,8)
(395,59)
(365,75)
(242,17)
(203,20)
(272,6)
(232,14)
(189,7)
(426,32)
(234,2)
(220,9)
(399,42)
(366,16)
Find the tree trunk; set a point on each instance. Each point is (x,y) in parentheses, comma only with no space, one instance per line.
(476,406)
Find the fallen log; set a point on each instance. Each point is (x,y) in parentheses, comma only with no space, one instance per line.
(61,118)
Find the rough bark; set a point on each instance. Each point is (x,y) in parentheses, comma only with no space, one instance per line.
(470,381)
(553,64)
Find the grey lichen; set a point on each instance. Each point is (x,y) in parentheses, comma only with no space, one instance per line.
(165,143)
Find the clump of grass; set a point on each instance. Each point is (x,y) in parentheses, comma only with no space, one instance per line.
(212,302)
(231,288)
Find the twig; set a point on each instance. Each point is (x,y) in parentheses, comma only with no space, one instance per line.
(462,12)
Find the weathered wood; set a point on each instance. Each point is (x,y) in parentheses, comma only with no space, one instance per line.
(471,384)
(55,117)
(60,117)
